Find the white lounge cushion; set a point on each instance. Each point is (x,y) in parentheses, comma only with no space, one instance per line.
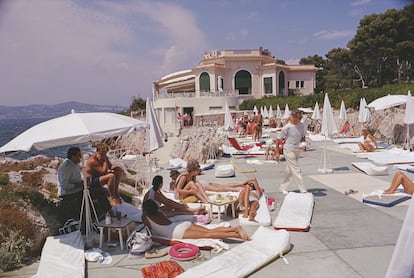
(262,218)
(62,256)
(265,246)
(371,169)
(295,213)
(224,171)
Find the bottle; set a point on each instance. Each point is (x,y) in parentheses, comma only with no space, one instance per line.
(108,219)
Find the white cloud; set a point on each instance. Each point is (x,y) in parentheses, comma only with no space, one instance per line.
(360,2)
(237,35)
(334,34)
(97,52)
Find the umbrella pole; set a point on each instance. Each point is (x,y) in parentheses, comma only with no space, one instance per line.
(324,160)
(87,202)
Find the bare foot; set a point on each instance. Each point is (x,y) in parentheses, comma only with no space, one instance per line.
(388,191)
(243,234)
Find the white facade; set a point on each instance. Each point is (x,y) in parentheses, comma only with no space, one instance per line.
(232,75)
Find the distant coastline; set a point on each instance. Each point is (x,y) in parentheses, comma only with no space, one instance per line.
(38,111)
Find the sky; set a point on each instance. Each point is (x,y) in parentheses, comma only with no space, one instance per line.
(108,52)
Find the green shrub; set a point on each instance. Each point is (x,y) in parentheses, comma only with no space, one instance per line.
(4,178)
(13,248)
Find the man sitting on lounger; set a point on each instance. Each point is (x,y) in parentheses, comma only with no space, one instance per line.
(160,225)
(400,179)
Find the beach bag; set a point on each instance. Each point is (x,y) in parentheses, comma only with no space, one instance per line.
(164,269)
(139,241)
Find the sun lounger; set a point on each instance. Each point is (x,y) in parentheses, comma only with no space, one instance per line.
(266,245)
(371,169)
(295,213)
(62,256)
(262,218)
(388,200)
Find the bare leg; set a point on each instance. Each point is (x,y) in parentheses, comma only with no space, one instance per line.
(361,146)
(253,210)
(245,201)
(400,178)
(200,232)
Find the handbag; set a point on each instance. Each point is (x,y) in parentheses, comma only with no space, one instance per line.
(139,241)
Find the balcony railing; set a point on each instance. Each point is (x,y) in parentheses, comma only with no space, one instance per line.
(221,93)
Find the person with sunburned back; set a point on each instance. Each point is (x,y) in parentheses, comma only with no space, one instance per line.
(100,171)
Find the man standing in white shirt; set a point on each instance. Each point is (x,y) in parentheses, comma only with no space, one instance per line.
(293,133)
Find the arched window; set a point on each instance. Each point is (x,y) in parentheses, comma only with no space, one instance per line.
(281,87)
(243,82)
(204,82)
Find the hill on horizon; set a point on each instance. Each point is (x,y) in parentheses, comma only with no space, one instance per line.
(54,110)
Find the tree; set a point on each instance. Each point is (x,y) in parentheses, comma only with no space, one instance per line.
(339,69)
(318,62)
(137,104)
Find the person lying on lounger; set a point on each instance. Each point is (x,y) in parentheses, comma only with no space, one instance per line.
(249,199)
(400,179)
(167,206)
(189,190)
(160,225)
(369,143)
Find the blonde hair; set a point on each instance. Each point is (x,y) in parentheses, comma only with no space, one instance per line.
(102,147)
(192,165)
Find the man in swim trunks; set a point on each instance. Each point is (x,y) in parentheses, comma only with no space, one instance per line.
(99,171)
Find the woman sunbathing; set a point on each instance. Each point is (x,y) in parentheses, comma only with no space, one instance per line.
(189,190)
(249,199)
(400,179)
(369,143)
(167,206)
(160,225)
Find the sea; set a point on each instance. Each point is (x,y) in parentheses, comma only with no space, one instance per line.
(10,128)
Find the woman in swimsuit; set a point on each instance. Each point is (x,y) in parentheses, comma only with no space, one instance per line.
(188,189)
(404,180)
(160,225)
(249,199)
(369,143)
(167,206)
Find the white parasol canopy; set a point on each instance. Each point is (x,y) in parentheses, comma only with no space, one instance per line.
(409,110)
(388,101)
(228,120)
(155,134)
(265,112)
(316,115)
(255,110)
(364,114)
(278,112)
(71,129)
(75,128)
(342,112)
(287,112)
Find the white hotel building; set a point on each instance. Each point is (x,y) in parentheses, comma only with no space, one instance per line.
(228,75)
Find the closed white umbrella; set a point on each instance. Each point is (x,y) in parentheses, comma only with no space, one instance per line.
(364,114)
(71,129)
(155,134)
(228,120)
(278,112)
(255,110)
(328,128)
(342,112)
(271,115)
(287,112)
(265,113)
(316,115)
(409,118)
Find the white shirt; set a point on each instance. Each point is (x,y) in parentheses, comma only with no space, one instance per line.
(293,135)
(67,176)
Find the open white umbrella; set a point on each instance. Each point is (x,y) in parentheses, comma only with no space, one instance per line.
(342,112)
(328,128)
(388,101)
(271,115)
(287,112)
(228,120)
(278,112)
(71,129)
(316,115)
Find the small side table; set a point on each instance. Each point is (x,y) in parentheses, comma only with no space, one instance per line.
(116,224)
(223,202)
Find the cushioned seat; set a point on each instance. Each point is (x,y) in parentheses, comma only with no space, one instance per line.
(224,171)
(371,169)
